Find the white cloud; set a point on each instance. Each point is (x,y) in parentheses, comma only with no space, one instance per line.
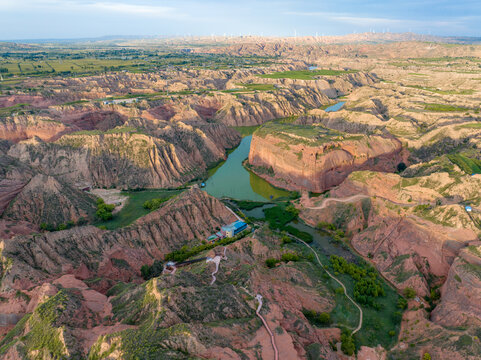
(381,21)
(134,9)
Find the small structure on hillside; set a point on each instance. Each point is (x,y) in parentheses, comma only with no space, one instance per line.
(468,208)
(230,230)
(233,229)
(120,101)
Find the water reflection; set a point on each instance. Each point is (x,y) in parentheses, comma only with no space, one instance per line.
(232,180)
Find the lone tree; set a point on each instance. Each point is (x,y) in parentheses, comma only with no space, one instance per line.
(401,167)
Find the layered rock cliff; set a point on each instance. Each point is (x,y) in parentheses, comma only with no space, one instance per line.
(87,251)
(129,158)
(314,158)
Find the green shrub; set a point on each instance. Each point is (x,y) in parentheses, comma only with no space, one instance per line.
(402,303)
(347,344)
(322,225)
(185,252)
(249,205)
(154,204)
(409,293)
(426,356)
(367,286)
(305,236)
(286,257)
(62,227)
(149,272)
(316,318)
(271,262)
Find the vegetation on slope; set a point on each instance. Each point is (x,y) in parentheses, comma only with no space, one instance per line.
(306,74)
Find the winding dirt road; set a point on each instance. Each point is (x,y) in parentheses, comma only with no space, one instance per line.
(347,199)
(273,341)
(216,260)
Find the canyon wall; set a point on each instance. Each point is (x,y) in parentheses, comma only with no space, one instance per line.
(291,161)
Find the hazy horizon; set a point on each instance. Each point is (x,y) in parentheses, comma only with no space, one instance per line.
(77,19)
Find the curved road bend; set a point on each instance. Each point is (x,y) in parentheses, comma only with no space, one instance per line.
(216,260)
(273,341)
(338,281)
(347,199)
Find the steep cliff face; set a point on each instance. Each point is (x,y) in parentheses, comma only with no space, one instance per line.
(127,158)
(411,229)
(13,177)
(313,158)
(461,293)
(87,251)
(25,127)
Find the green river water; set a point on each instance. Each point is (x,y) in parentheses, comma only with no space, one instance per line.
(232,180)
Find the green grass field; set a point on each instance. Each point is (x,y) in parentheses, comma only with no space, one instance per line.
(468,165)
(444,108)
(259,87)
(306,74)
(246,130)
(134,208)
(469,126)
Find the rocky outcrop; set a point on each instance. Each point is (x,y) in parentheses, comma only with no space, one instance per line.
(405,227)
(87,251)
(461,293)
(25,127)
(183,313)
(128,158)
(314,158)
(46,200)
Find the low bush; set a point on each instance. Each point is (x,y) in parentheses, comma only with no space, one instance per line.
(409,293)
(154,204)
(347,343)
(154,270)
(319,319)
(286,257)
(271,262)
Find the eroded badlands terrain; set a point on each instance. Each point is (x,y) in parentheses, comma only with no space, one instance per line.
(385,189)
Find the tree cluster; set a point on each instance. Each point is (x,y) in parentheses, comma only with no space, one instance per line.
(104,211)
(367,286)
(154,270)
(186,252)
(154,204)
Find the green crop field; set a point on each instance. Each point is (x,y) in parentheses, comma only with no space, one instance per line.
(303,134)
(134,208)
(306,74)
(259,87)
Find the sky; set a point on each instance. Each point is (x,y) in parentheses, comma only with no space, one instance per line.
(66,19)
